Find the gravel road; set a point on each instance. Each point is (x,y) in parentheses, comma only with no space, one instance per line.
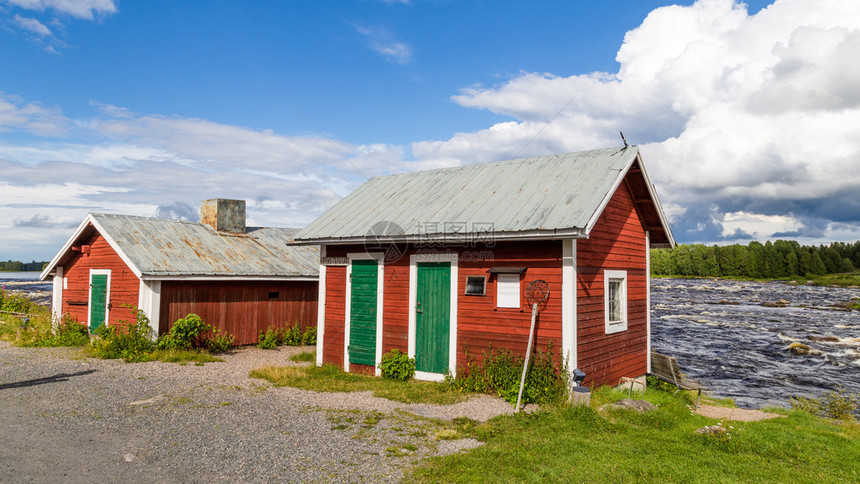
(64,418)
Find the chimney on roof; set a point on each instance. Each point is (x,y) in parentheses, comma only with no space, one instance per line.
(223,215)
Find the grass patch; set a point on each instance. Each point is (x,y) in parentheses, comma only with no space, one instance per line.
(182,356)
(304,356)
(329,378)
(580,444)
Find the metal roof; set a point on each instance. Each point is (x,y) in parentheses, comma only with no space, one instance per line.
(159,248)
(545,196)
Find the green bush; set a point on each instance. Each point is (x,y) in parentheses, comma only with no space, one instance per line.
(836,404)
(289,336)
(310,336)
(133,342)
(269,340)
(220,341)
(397,365)
(68,333)
(501,371)
(185,334)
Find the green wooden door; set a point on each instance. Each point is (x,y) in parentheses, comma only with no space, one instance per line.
(362,313)
(98,300)
(433,317)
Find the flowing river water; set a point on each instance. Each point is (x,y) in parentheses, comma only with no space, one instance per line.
(731,336)
(726,334)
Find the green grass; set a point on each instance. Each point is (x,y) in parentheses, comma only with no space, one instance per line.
(305,356)
(329,378)
(182,356)
(581,444)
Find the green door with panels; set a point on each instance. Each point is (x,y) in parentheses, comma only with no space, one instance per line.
(98,300)
(433,317)
(362,312)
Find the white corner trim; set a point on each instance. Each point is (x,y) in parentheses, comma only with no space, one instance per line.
(568,303)
(615,327)
(414,260)
(149,301)
(94,272)
(57,296)
(379,257)
(648,300)
(321,309)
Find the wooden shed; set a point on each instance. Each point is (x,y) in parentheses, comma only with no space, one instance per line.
(435,262)
(239,279)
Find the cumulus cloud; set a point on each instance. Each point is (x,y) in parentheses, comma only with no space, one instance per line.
(385,44)
(177,211)
(736,113)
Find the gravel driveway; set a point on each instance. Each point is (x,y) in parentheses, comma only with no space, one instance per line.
(64,418)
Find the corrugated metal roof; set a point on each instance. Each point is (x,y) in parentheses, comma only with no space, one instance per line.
(554,193)
(160,247)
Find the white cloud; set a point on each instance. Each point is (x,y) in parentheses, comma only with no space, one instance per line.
(84,9)
(736,113)
(15,114)
(384,44)
(32,25)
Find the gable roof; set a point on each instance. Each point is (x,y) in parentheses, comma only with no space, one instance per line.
(554,196)
(162,249)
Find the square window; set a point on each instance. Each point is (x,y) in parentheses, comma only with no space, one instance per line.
(508,290)
(615,287)
(476,285)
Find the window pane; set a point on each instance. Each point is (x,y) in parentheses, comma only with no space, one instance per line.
(615,303)
(508,291)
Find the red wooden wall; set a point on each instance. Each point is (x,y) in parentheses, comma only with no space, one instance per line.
(124,285)
(616,242)
(480,323)
(240,308)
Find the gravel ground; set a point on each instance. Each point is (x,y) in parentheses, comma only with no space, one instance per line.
(64,418)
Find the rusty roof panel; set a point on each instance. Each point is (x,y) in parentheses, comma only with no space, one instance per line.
(160,247)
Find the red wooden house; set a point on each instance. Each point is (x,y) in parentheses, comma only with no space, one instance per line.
(239,279)
(435,262)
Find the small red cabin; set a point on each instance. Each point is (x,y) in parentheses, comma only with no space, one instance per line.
(238,279)
(437,262)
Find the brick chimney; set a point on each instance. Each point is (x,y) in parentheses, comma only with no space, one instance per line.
(223,215)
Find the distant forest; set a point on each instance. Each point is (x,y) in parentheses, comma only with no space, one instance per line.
(18,266)
(783,258)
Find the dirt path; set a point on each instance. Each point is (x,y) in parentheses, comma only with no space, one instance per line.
(737,414)
(64,418)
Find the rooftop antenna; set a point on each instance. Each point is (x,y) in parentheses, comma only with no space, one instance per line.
(623,139)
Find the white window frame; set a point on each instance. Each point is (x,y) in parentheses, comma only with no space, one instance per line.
(508,279)
(615,326)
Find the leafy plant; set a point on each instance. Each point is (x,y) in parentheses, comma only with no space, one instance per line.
(186,333)
(501,371)
(269,339)
(68,333)
(220,341)
(310,336)
(836,404)
(133,342)
(397,365)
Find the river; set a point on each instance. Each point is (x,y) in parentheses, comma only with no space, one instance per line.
(725,337)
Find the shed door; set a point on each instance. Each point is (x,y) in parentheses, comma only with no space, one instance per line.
(98,300)
(433,318)
(362,313)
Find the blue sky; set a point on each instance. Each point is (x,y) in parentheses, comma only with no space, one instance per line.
(746,114)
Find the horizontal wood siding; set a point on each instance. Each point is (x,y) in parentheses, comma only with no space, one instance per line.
(240,308)
(124,285)
(480,323)
(617,242)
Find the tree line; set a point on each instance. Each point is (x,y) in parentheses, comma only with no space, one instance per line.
(18,266)
(783,258)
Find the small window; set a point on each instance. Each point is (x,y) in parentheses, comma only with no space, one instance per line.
(615,294)
(476,285)
(274,295)
(508,290)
